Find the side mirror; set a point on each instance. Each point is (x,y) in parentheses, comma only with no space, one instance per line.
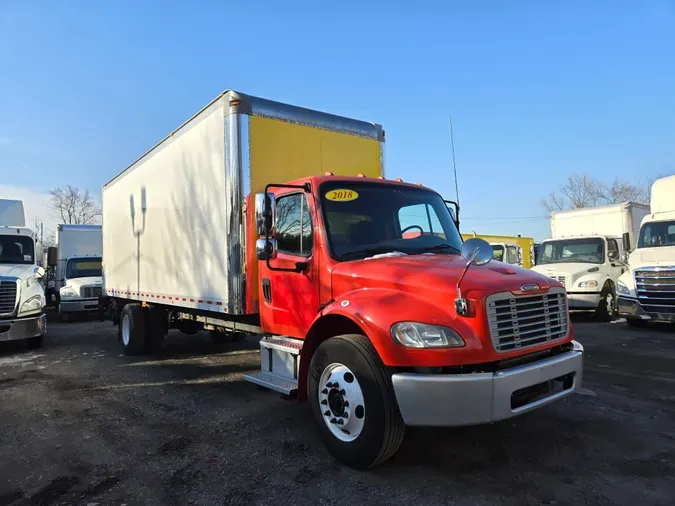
(476,252)
(265,217)
(626,242)
(266,249)
(51,256)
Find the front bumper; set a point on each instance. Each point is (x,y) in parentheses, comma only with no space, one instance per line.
(582,300)
(23,328)
(78,305)
(471,399)
(631,308)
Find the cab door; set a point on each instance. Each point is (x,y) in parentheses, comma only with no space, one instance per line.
(289,283)
(616,265)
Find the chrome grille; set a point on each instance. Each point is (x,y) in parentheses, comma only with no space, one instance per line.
(526,320)
(656,289)
(561,279)
(89,292)
(8,300)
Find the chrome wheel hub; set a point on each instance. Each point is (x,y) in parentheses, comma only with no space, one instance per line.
(341,402)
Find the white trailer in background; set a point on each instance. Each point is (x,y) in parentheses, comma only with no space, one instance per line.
(78,268)
(588,251)
(647,291)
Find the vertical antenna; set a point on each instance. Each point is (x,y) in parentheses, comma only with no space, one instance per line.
(454,163)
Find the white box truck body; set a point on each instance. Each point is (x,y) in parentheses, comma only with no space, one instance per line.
(647,291)
(588,251)
(78,268)
(21,292)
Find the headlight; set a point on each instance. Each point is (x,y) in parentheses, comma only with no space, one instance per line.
(421,335)
(32,304)
(622,288)
(588,284)
(67,292)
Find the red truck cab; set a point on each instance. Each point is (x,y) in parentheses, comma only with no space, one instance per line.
(376,312)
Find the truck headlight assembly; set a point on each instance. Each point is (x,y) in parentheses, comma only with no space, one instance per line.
(588,284)
(67,292)
(421,335)
(622,288)
(32,304)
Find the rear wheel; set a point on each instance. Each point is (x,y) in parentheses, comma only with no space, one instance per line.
(606,310)
(353,402)
(132,329)
(636,323)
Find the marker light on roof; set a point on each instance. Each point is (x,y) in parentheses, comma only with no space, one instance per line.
(399,180)
(328,173)
(360,174)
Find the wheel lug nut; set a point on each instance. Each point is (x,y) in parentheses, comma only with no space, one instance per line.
(333,420)
(336,385)
(340,422)
(329,385)
(346,404)
(342,392)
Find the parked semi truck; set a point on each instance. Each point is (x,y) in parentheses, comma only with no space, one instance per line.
(78,269)
(261,217)
(647,291)
(514,250)
(21,293)
(588,251)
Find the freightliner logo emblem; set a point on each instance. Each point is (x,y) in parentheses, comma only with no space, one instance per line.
(533,287)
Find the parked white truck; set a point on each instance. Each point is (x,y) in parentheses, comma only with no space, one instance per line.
(21,294)
(588,251)
(78,268)
(647,291)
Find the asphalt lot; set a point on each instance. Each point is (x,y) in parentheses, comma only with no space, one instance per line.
(82,424)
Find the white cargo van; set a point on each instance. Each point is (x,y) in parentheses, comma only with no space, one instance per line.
(78,268)
(647,291)
(21,294)
(588,251)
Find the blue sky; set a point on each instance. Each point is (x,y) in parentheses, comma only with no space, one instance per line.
(537,90)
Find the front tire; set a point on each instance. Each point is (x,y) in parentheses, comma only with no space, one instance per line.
(636,323)
(35,342)
(353,402)
(132,329)
(606,310)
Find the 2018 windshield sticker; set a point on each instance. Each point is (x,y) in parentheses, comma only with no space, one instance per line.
(342,195)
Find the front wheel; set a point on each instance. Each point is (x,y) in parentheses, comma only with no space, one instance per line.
(353,402)
(636,323)
(606,310)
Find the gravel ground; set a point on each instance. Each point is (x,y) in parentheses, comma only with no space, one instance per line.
(82,424)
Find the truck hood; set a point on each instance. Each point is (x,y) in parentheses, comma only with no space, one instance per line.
(80,282)
(654,257)
(21,271)
(573,270)
(435,275)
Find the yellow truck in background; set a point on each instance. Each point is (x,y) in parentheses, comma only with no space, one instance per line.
(515,250)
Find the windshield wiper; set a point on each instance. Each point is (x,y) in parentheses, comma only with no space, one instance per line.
(441,246)
(373,250)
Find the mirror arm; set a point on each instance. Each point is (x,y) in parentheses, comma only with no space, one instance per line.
(460,303)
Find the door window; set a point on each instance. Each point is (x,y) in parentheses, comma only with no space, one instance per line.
(612,249)
(511,255)
(294,225)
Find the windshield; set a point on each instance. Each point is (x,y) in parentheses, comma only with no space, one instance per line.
(591,251)
(657,233)
(365,219)
(83,267)
(498,252)
(16,249)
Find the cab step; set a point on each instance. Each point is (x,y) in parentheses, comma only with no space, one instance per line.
(279,364)
(273,382)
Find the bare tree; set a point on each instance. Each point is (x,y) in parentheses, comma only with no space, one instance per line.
(73,206)
(580,190)
(46,239)
(585,191)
